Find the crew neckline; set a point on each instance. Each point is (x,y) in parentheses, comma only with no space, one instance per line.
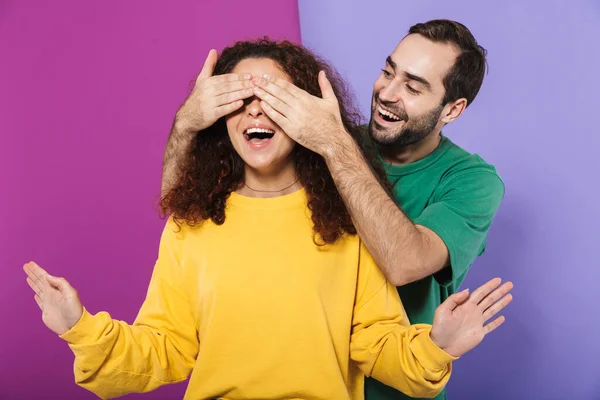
(401,170)
(286,201)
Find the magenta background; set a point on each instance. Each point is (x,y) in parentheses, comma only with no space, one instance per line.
(88,91)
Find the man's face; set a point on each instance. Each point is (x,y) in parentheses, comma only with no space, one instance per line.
(407,96)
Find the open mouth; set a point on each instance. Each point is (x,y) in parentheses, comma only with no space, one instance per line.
(257,136)
(387,116)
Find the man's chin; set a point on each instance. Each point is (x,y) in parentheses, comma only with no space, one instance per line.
(383,136)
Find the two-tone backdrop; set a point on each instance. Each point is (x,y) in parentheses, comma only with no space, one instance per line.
(88,91)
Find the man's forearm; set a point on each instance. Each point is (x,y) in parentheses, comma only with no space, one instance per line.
(396,244)
(177,147)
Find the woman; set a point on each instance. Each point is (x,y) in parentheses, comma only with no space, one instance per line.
(262,288)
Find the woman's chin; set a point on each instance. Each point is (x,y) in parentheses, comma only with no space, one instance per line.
(264,164)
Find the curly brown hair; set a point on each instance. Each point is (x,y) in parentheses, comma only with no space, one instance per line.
(212,169)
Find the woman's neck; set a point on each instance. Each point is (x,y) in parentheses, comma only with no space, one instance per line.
(269,183)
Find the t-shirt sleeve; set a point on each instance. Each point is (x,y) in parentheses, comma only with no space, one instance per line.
(461,214)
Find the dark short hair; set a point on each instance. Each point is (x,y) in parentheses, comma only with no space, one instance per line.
(466,76)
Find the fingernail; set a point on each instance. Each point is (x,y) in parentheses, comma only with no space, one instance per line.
(267,76)
(256,79)
(466,290)
(247,76)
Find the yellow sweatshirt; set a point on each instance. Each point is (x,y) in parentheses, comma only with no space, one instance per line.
(253,309)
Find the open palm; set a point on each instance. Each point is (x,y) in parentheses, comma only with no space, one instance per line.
(59,302)
(459,323)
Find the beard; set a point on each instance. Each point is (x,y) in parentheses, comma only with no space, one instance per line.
(412,131)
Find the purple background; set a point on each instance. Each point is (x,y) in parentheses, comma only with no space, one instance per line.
(536,119)
(88,91)
(87,95)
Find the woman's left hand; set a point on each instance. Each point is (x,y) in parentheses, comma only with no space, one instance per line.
(459,323)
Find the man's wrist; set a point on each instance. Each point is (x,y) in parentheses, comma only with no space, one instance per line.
(182,127)
(341,147)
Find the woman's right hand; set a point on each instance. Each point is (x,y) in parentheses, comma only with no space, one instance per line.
(213,97)
(59,302)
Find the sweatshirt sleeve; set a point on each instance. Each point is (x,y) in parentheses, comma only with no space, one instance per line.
(113,358)
(385,346)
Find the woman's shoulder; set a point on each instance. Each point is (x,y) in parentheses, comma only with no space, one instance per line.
(181,229)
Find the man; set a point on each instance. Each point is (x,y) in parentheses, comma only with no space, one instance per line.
(427,237)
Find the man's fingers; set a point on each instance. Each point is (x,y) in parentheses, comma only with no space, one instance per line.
(482,291)
(227,109)
(276,104)
(493,325)
(275,90)
(279,119)
(219,79)
(222,88)
(493,297)
(326,88)
(209,65)
(289,87)
(490,312)
(227,98)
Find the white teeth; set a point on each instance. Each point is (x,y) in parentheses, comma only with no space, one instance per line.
(259,130)
(387,113)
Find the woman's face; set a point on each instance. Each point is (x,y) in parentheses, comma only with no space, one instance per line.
(255,137)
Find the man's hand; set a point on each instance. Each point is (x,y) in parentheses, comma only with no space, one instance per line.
(459,322)
(212,97)
(313,122)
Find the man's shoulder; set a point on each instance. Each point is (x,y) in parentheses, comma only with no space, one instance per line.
(459,162)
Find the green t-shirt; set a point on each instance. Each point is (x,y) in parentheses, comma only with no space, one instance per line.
(456,194)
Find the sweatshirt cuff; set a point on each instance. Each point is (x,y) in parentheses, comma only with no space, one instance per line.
(430,355)
(84,331)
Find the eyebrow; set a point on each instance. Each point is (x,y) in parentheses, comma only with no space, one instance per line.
(410,76)
(391,62)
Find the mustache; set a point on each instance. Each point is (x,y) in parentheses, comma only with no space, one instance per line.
(389,107)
